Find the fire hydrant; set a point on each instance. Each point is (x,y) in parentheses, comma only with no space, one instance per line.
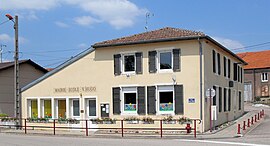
(188,128)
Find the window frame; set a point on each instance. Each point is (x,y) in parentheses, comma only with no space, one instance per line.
(72,108)
(164,89)
(122,68)
(264,77)
(159,58)
(122,96)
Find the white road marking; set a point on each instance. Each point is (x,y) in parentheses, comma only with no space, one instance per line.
(222,142)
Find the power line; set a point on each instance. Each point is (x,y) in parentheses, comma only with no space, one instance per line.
(251,46)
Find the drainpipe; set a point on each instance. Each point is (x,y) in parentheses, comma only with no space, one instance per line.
(254,85)
(201,82)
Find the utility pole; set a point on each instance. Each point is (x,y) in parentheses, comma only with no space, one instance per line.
(1,51)
(16,72)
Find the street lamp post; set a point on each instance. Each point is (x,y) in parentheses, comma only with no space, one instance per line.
(16,71)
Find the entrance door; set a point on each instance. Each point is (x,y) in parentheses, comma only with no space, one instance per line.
(104,110)
(248,92)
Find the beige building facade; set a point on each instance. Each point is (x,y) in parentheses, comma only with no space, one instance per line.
(153,74)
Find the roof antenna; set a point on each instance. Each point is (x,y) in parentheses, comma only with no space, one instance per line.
(147,16)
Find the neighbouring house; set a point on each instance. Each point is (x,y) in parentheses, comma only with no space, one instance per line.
(28,72)
(256,74)
(154,74)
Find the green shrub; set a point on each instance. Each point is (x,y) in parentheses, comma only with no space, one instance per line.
(3,115)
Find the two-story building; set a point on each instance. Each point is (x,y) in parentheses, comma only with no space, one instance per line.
(151,74)
(256,74)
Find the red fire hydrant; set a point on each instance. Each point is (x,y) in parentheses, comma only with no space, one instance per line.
(188,128)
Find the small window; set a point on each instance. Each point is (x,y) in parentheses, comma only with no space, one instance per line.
(264,77)
(214,60)
(130,102)
(76,109)
(92,107)
(218,64)
(165,60)
(166,101)
(225,66)
(129,63)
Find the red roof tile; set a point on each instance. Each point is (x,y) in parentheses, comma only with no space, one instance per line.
(256,59)
(164,34)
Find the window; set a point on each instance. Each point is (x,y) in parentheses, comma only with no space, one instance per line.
(214,60)
(47,109)
(130,103)
(229,100)
(165,99)
(34,109)
(225,66)
(76,107)
(220,99)
(218,61)
(215,97)
(240,100)
(229,68)
(61,108)
(129,63)
(264,77)
(235,71)
(129,100)
(225,100)
(92,107)
(165,60)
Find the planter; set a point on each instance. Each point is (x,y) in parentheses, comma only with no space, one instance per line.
(108,122)
(169,122)
(132,122)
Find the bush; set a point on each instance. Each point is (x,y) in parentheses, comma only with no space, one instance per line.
(3,115)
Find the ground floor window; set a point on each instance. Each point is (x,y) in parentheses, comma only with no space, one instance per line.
(34,109)
(92,107)
(47,109)
(61,108)
(165,99)
(76,107)
(129,100)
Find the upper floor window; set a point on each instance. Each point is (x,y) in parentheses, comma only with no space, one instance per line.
(165,60)
(129,63)
(264,77)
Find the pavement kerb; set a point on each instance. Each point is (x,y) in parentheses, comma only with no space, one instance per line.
(255,125)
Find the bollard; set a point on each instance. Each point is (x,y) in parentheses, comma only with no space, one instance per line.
(122,128)
(252,121)
(244,125)
(238,129)
(86,127)
(195,129)
(258,116)
(248,124)
(160,128)
(25,126)
(263,112)
(255,119)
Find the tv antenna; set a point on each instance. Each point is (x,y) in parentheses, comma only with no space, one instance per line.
(1,51)
(147,16)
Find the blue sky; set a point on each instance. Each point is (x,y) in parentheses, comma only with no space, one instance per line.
(52,31)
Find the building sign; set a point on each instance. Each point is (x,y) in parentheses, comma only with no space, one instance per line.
(75,89)
(191,100)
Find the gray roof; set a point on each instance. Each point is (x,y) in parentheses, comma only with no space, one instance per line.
(58,68)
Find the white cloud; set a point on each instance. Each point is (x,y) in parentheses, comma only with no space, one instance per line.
(23,40)
(61,24)
(230,44)
(118,13)
(29,4)
(86,20)
(5,38)
(82,46)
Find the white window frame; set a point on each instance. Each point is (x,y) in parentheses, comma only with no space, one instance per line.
(72,108)
(87,99)
(164,89)
(128,90)
(264,77)
(123,63)
(158,61)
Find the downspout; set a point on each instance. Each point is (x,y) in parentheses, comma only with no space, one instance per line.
(254,85)
(201,82)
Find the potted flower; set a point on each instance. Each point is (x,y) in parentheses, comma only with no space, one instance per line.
(168,120)
(96,121)
(73,121)
(147,120)
(108,121)
(184,120)
(132,120)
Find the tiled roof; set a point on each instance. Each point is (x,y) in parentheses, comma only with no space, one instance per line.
(6,65)
(160,34)
(256,60)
